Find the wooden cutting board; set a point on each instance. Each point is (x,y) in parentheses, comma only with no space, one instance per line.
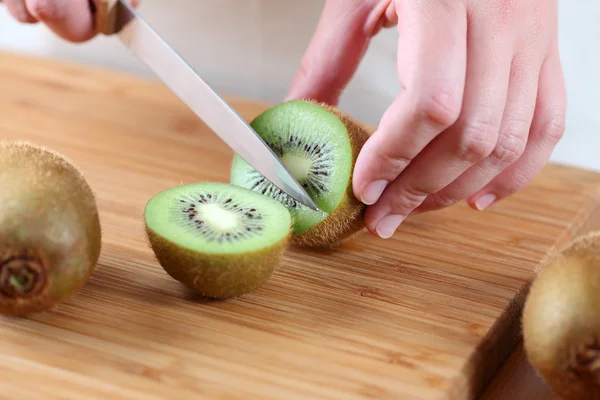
(428,314)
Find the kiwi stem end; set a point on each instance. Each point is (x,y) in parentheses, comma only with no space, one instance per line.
(586,361)
(21,275)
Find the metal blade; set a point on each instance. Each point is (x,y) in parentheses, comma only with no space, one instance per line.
(176,73)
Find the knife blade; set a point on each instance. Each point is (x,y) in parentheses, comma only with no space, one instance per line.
(116,18)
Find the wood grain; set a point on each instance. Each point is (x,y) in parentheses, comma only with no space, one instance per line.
(431,313)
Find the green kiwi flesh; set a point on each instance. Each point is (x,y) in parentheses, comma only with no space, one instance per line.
(218,239)
(319,146)
(50,236)
(561,320)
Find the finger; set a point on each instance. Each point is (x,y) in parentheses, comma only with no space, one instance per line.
(391,14)
(69,19)
(17,9)
(431,67)
(333,53)
(379,17)
(546,131)
(466,143)
(512,139)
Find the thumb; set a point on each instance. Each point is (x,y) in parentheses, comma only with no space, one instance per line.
(336,48)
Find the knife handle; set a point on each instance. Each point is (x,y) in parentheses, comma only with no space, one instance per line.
(104,16)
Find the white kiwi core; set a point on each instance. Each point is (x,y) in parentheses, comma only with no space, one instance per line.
(299,166)
(218,217)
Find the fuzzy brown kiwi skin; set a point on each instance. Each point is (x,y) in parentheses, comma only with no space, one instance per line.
(50,234)
(561,320)
(347,220)
(217,276)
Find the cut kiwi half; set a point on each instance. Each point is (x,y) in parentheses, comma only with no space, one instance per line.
(561,320)
(319,145)
(218,239)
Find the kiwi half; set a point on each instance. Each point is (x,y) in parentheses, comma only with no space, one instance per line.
(50,237)
(561,320)
(319,145)
(218,239)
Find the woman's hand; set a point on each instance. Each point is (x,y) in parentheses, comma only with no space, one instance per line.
(483,105)
(71,20)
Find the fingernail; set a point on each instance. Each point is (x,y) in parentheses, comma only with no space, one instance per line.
(485,201)
(372,192)
(388,225)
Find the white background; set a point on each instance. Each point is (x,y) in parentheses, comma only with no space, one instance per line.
(253,48)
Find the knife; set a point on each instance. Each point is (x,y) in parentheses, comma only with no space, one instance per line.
(116,18)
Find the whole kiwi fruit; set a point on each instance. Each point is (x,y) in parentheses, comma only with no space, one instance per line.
(50,236)
(220,240)
(319,145)
(561,320)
